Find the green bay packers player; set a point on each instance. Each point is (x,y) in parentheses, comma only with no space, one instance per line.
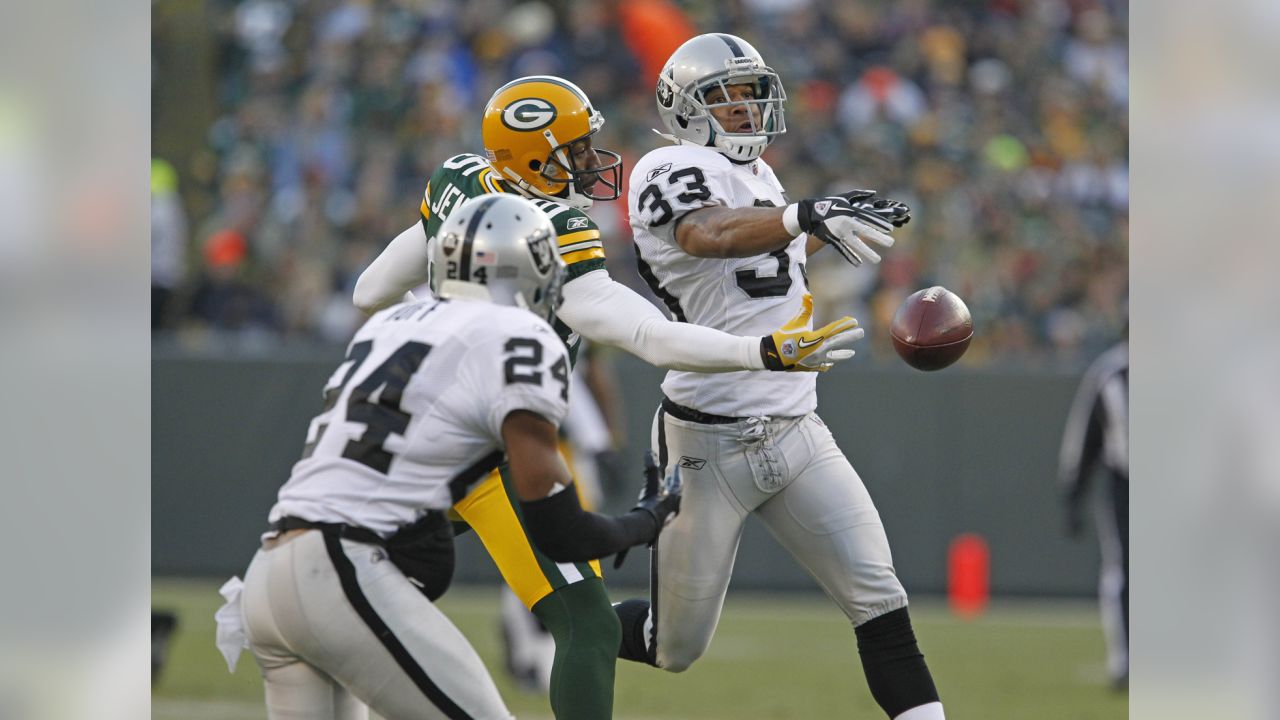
(428,399)
(538,134)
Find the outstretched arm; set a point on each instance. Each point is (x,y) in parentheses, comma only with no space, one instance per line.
(723,232)
(401,267)
(605,311)
(839,221)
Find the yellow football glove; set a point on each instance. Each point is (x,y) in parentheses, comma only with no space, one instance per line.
(793,347)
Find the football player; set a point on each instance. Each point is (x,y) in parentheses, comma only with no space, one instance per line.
(722,243)
(539,134)
(430,396)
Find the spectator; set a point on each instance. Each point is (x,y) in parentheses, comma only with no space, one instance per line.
(224,300)
(1003,123)
(168,241)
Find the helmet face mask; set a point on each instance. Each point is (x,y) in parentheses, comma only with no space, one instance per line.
(712,62)
(499,248)
(561,168)
(530,128)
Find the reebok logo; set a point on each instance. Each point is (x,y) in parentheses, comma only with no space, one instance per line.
(576,223)
(664,167)
(692,463)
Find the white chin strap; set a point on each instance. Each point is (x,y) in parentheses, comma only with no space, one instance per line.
(573,199)
(740,148)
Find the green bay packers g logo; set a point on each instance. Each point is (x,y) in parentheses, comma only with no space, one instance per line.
(528,114)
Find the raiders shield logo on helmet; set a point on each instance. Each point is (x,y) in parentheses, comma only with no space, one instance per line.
(540,249)
(665,95)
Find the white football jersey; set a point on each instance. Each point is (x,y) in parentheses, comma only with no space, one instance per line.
(743,296)
(413,416)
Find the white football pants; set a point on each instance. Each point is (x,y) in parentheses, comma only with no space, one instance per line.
(789,473)
(337,629)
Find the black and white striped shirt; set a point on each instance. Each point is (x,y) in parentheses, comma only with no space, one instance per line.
(1097,429)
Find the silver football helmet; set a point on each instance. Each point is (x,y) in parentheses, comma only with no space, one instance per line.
(717,60)
(502,249)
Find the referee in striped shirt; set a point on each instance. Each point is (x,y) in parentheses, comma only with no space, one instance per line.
(1097,439)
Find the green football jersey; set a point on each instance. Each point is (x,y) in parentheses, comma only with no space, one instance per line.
(462,177)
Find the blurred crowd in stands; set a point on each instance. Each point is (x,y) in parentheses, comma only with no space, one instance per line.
(1003,123)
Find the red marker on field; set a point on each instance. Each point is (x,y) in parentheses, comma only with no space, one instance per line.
(968,575)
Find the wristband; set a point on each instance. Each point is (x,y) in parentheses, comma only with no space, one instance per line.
(791,219)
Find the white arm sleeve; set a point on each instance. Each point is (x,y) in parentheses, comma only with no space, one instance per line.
(605,311)
(401,267)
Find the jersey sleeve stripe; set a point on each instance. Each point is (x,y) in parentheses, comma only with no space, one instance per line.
(489,181)
(581,255)
(577,237)
(426,211)
(552,209)
(575,247)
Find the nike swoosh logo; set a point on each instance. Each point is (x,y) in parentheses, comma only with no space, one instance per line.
(804,344)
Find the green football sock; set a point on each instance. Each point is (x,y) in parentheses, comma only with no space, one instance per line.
(587,636)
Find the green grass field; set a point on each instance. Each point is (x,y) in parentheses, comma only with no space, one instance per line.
(774,657)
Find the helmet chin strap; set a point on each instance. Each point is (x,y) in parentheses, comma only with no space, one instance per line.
(572,200)
(722,144)
(740,150)
(670,138)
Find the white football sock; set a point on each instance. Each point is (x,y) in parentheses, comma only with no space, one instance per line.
(928,711)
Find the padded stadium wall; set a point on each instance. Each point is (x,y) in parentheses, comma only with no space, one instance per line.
(942,454)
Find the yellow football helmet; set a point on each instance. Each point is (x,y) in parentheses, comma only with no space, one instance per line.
(528,128)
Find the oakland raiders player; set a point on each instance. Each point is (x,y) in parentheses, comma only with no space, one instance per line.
(539,135)
(429,397)
(723,247)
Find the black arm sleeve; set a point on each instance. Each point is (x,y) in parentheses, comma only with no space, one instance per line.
(564,532)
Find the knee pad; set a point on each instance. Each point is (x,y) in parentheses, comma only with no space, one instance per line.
(640,644)
(580,615)
(679,653)
(896,672)
(679,664)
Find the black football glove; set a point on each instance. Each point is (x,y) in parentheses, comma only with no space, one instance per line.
(659,500)
(839,223)
(882,212)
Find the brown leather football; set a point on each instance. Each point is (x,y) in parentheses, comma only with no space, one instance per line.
(931,329)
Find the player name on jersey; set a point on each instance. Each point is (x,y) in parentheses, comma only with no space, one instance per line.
(466,176)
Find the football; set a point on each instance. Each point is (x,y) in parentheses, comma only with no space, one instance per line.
(931,329)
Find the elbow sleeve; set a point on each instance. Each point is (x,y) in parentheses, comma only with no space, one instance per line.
(564,532)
